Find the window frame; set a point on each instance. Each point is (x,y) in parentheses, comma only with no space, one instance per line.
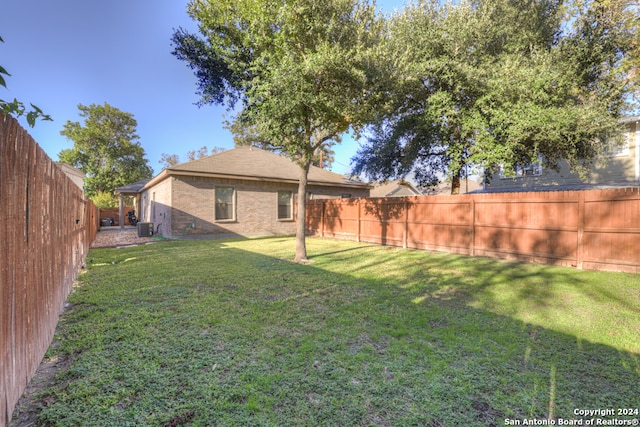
(623,150)
(233,204)
(521,170)
(291,214)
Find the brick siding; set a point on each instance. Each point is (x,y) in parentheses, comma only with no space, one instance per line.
(187,204)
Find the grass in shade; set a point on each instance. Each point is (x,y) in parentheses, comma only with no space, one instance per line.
(230,332)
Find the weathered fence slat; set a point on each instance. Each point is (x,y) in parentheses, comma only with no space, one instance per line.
(592,229)
(43,248)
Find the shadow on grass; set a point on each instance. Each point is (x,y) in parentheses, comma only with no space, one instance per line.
(570,300)
(363,336)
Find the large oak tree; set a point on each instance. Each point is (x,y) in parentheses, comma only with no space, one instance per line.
(298,72)
(502,82)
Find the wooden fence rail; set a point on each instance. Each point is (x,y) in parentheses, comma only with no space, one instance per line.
(46,229)
(594,229)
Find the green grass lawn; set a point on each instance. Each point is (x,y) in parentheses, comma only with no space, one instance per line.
(232,333)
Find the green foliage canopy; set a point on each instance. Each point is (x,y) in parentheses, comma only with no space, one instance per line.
(105,148)
(486,83)
(302,71)
(244,135)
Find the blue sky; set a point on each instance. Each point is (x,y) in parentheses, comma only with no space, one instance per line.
(69,52)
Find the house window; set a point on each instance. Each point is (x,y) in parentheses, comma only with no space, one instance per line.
(534,169)
(345,196)
(522,170)
(620,149)
(285,205)
(224,203)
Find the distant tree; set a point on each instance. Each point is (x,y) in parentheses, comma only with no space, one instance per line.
(105,148)
(324,156)
(168,160)
(500,82)
(196,154)
(203,152)
(244,135)
(105,200)
(16,108)
(302,70)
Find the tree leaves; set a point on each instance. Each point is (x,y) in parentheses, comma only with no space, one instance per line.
(485,83)
(105,148)
(302,70)
(2,80)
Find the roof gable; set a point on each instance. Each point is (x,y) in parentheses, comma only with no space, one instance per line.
(255,163)
(394,188)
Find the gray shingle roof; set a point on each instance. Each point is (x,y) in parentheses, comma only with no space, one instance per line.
(558,187)
(630,119)
(132,188)
(255,163)
(394,188)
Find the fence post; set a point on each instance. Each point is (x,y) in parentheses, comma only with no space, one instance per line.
(472,249)
(405,233)
(322,209)
(580,251)
(359,209)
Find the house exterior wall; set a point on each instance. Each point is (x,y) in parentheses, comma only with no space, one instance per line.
(322,192)
(155,207)
(74,174)
(616,170)
(185,205)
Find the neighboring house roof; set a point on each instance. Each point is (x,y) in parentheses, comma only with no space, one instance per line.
(75,174)
(254,164)
(444,188)
(556,187)
(630,119)
(394,189)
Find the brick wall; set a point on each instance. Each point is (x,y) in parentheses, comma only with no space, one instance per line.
(186,206)
(155,207)
(256,207)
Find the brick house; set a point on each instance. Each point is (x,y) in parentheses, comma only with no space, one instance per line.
(243,192)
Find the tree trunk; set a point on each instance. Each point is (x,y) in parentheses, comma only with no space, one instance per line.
(455,183)
(301,247)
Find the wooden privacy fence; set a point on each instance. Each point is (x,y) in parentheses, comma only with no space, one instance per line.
(46,230)
(595,229)
(114,214)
